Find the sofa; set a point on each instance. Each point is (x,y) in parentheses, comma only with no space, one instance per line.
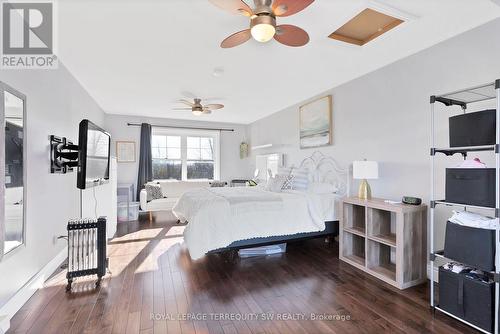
(173,190)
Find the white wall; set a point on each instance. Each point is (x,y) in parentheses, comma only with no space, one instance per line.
(101,201)
(55,105)
(385,115)
(231,164)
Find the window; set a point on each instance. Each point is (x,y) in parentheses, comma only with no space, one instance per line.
(200,158)
(167,162)
(185,154)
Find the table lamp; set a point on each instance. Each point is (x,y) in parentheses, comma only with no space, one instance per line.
(364,170)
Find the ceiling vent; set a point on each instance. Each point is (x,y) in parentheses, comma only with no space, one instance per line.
(365,27)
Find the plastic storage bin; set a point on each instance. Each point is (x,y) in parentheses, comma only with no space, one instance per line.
(464,129)
(129,213)
(472,186)
(263,250)
(472,246)
(472,300)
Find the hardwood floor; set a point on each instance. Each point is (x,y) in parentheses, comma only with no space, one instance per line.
(155,288)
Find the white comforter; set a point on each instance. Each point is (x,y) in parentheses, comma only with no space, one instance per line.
(219,216)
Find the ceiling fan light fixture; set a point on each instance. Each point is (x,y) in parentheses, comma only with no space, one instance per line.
(197,112)
(263,28)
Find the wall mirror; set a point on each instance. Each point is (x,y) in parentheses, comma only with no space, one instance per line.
(266,165)
(12,168)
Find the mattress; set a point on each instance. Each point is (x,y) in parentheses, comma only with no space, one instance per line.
(330,206)
(218,217)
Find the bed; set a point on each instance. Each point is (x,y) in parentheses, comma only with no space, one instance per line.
(223,219)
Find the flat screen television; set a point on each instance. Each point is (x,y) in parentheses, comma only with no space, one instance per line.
(93,157)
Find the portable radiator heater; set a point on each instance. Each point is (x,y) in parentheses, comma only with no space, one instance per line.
(86,249)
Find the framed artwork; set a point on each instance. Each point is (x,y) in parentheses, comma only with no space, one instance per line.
(316,123)
(125,151)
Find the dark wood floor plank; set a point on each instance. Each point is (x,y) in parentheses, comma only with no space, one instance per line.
(155,287)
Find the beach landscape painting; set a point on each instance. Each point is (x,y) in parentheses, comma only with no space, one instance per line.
(316,123)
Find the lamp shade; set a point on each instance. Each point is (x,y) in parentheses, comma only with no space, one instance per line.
(362,170)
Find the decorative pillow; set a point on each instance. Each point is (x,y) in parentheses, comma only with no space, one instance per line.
(322,188)
(154,191)
(288,183)
(300,177)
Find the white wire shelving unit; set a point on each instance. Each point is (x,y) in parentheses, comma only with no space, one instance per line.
(464,98)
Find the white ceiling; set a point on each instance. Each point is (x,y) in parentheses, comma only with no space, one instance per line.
(137,57)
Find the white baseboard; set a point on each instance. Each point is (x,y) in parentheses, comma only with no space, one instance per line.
(28,290)
(4,324)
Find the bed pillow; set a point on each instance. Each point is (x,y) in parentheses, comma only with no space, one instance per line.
(275,184)
(153,191)
(300,177)
(322,188)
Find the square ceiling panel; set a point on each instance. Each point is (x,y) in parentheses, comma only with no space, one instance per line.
(365,27)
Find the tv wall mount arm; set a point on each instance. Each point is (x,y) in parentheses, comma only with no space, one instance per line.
(63,155)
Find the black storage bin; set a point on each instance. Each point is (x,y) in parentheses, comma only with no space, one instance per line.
(473,129)
(472,246)
(472,186)
(469,299)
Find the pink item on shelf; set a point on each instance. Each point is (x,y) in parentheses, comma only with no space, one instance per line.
(474,163)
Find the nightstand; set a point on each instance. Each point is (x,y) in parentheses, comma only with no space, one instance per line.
(388,241)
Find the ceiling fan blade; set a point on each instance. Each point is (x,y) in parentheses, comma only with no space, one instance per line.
(191,104)
(236,39)
(213,106)
(212,99)
(291,35)
(289,7)
(206,111)
(189,95)
(233,6)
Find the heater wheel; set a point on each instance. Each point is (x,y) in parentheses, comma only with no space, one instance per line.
(98,283)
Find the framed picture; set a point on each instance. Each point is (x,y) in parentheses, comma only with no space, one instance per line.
(125,151)
(316,123)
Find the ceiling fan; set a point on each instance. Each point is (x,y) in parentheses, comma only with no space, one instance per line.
(263,21)
(197,108)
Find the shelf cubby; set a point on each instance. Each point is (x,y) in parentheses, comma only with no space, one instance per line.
(355,218)
(381,226)
(354,248)
(382,259)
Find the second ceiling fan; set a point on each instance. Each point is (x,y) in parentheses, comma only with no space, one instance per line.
(263,21)
(199,109)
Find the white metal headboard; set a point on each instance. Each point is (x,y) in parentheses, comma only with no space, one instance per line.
(326,169)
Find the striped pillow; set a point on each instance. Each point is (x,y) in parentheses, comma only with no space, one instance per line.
(300,177)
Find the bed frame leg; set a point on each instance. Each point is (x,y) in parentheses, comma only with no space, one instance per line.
(230,256)
(150,216)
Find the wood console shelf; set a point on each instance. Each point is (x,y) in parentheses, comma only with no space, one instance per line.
(388,241)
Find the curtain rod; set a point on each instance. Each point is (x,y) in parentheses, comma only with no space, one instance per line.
(181,127)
